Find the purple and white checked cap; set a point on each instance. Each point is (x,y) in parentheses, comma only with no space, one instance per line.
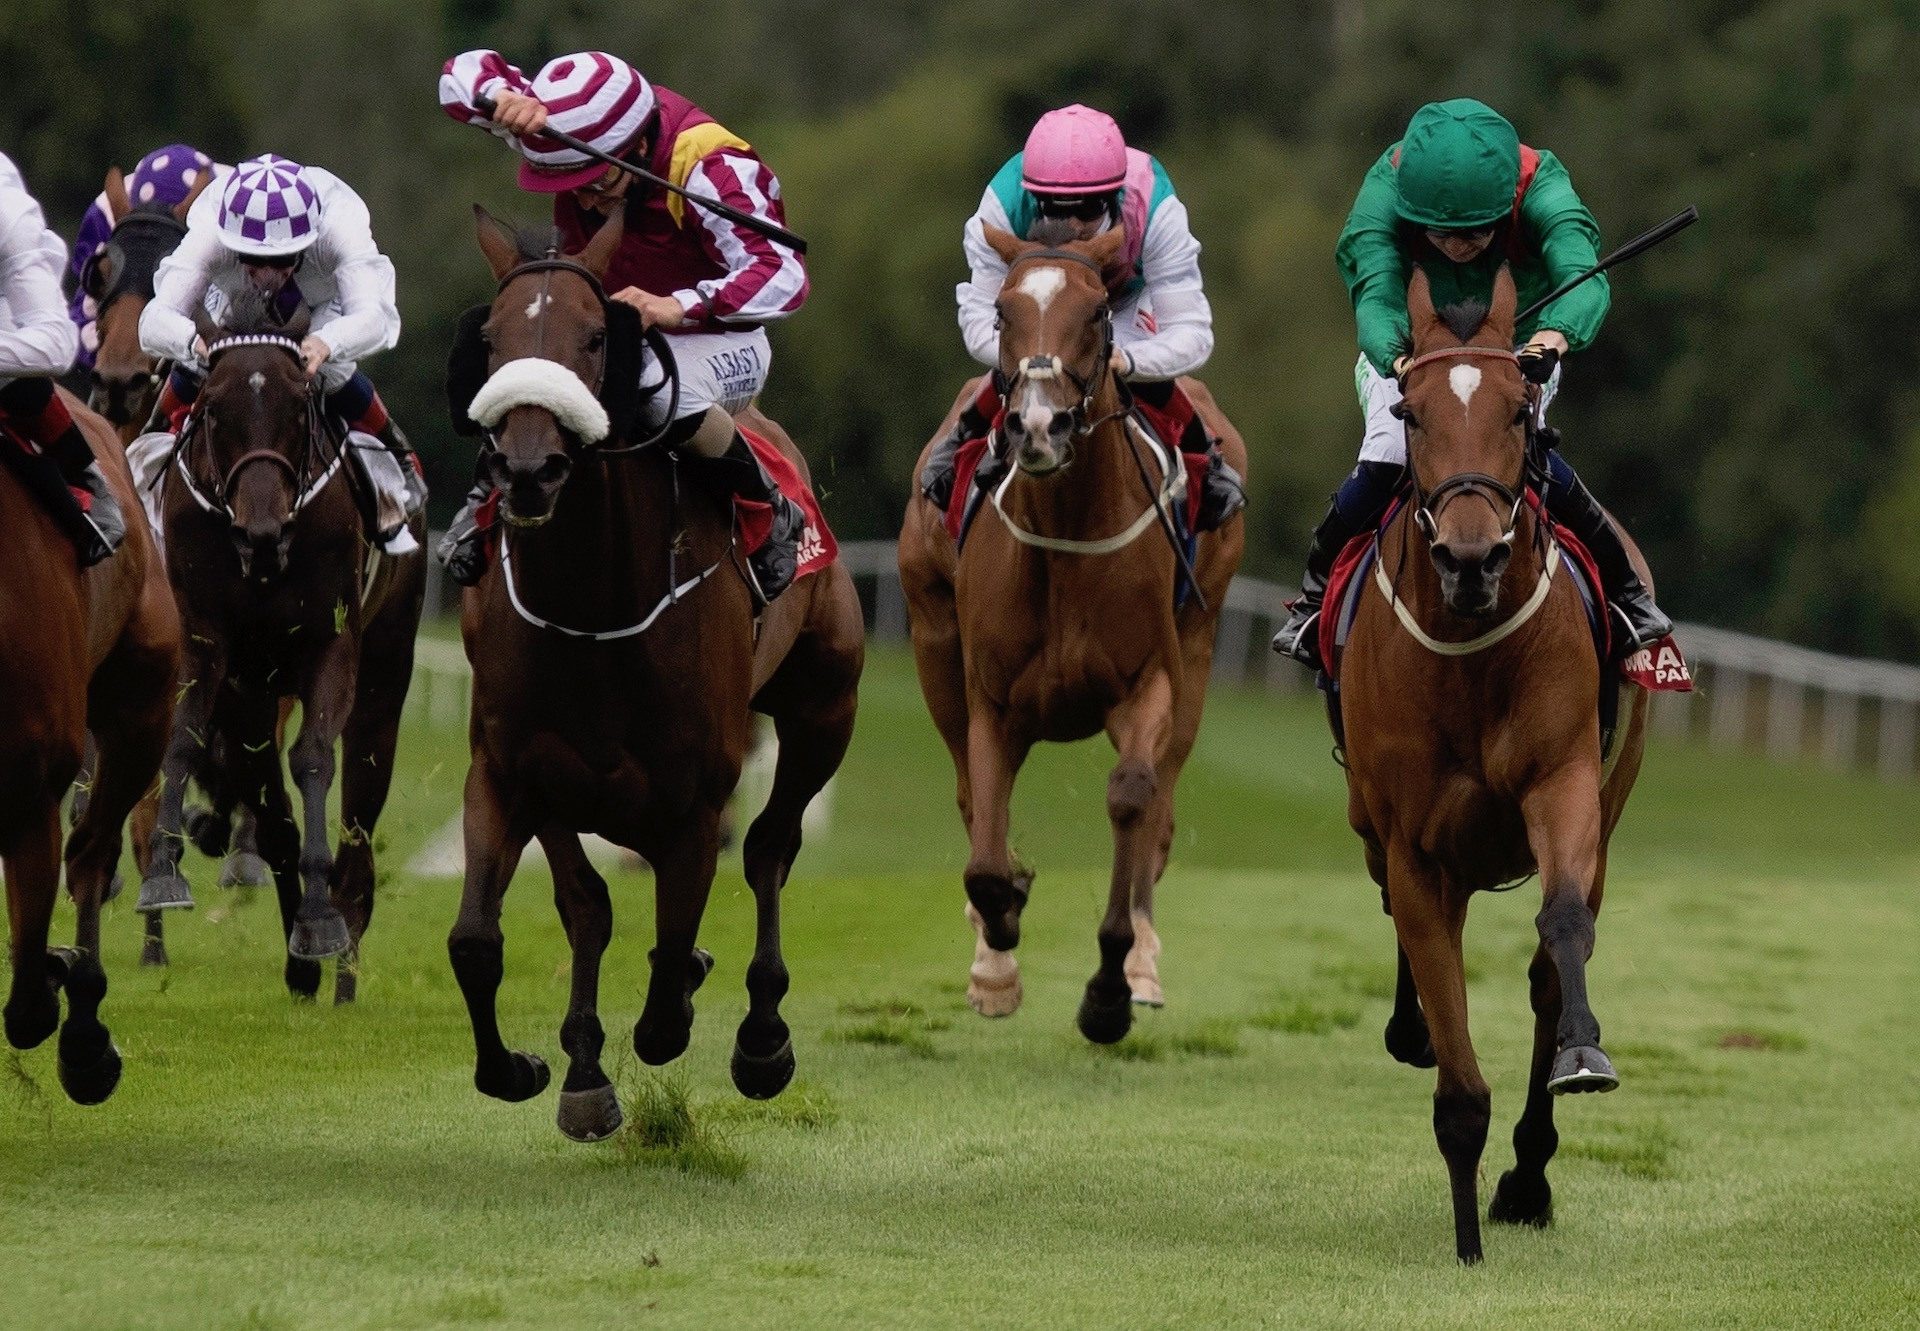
(268,208)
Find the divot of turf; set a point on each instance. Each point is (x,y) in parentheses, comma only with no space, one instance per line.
(1771,1041)
(663,1132)
(1304,1016)
(893,1023)
(803,1106)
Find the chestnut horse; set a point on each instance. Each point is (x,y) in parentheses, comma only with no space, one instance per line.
(1473,748)
(1056,620)
(615,664)
(283,598)
(79,652)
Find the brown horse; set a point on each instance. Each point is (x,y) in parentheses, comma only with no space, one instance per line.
(126,380)
(79,652)
(1056,620)
(614,665)
(283,598)
(1473,746)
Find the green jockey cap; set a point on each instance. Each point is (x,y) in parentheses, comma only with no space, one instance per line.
(1459,166)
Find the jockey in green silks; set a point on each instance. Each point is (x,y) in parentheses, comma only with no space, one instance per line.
(1460,196)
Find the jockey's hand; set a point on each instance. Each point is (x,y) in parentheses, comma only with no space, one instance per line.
(200,348)
(1542,354)
(518,113)
(1120,363)
(1547,339)
(1399,367)
(313,354)
(655,311)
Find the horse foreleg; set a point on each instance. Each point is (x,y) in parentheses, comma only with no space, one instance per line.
(996,890)
(33,878)
(1143,962)
(475,944)
(682,878)
(162,887)
(372,735)
(1429,919)
(319,930)
(589,1107)
(1563,829)
(1140,728)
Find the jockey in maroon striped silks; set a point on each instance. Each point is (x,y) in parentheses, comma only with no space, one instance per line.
(37,345)
(709,282)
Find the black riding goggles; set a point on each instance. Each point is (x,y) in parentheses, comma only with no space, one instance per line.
(272,260)
(1087,209)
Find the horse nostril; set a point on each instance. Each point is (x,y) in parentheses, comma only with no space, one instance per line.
(1449,562)
(555,469)
(1014,426)
(1062,422)
(1496,561)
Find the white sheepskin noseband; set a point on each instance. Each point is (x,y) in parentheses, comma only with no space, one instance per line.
(535,382)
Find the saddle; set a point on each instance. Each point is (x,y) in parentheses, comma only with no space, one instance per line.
(41,479)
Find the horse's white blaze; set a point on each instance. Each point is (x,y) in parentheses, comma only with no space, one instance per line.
(1464,379)
(534,305)
(257,381)
(1042,284)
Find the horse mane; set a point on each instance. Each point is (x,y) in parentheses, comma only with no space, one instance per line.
(249,311)
(1464,317)
(1053,232)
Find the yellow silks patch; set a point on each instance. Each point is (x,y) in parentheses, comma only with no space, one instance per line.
(692,145)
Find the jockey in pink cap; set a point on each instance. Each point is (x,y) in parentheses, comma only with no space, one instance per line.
(710,282)
(1076,178)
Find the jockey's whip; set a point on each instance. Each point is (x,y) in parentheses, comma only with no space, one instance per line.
(1680,221)
(772,231)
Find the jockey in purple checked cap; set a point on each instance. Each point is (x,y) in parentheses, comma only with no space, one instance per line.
(295,236)
(163,179)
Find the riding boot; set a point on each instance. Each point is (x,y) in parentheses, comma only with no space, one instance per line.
(396,441)
(464,548)
(1639,622)
(936,478)
(97,525)
(1223,493)
(774,565)
(1355,507)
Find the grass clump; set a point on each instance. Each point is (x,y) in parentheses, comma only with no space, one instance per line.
(663,1132)
(890,1023)
(802,1106)
(1304,1016)
(1642,1153)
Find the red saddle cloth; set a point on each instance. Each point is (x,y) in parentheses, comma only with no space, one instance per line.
(1659,668)
(817,546)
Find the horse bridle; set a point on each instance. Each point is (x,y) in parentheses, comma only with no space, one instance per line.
(158,232)
(297,475)
(1430,503)
(554,262)
(1041,369)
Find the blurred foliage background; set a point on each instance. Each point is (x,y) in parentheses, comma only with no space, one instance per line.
(1749,409)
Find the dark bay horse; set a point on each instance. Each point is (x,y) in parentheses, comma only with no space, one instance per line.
(283,597)
(615,663)
(1473,747)
(80,653)
(1056,621)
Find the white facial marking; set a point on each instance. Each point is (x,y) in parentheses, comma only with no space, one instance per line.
(533,306)
(257,381)
(1464,379)
(1043,284)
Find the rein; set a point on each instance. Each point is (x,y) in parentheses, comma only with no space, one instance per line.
(305,490)
(1173,486)
(676,587)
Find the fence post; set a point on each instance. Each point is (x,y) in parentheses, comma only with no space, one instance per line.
(1897,735)
(1727,713)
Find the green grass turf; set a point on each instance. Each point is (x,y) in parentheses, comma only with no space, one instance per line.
(1250,1156)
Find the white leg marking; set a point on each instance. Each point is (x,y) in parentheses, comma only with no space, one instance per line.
(1143,969)
(1464,379)
(993,983)
(1043,284)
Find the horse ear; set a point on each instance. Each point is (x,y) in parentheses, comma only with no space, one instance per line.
(118,204)
(497,242)
(1422,318)
(1506,299)
(201,179)
(1106,248)
(597,256)
(1004,243)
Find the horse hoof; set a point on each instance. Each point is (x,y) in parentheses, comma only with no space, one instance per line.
(1582,1068)
(164,892)
(1105,1023)
(93,1083)
(320,938)
(655,1047)
(1411,1044)
(28,1027)
(153,952)
(303,977)
(589,1116)
(1518,1201)
(243,868)
(995,1000)
(526,1076)
(1147,993)
(760,1078)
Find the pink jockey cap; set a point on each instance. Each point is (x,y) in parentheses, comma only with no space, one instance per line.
(1075,150)
(597,98)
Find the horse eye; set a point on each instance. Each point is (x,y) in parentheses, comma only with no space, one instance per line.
(1404,413)
(999,317)
(1520,417)
(597,340)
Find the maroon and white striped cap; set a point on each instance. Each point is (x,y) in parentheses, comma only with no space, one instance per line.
(267,207)
(597,98)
